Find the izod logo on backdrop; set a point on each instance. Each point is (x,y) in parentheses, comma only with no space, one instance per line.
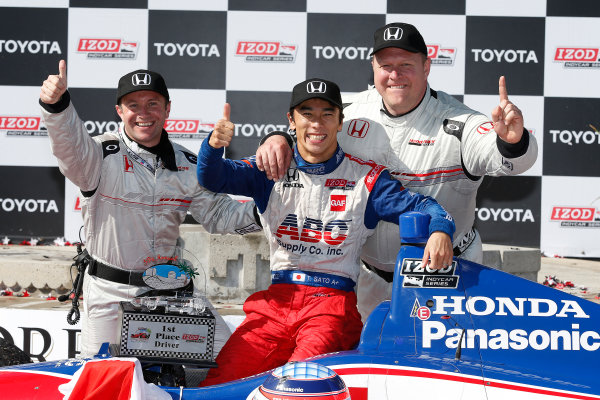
(107,48)
(578,57)
(22,126)
(580,217)
(441,55)
(188,128)
(266,51)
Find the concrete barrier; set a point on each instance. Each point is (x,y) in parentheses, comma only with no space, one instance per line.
(235,266)
(44,268)
(520,261)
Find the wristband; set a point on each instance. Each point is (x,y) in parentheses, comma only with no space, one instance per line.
(60,106)
(513,150)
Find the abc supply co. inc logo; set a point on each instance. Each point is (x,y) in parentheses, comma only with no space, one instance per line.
(441,55)
(266,51)
(107,48)
(22,126)
(578,57)
(578,217)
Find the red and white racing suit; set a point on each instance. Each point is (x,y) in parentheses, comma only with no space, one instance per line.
(316,221)
(132,205)
(441,149)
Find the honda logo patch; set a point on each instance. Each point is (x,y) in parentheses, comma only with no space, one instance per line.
(358,128)
(292,175)
(316,87)
(141,79)
(393,33)
(128,164)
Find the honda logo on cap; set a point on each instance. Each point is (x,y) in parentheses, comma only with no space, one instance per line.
(316,87)
(393,33)
(141,79)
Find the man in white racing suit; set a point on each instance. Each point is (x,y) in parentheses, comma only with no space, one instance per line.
(431,142)
(137,187)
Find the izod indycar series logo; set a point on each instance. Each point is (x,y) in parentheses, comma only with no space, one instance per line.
(441,55)
(23,126)
(266,51)
(534,309)
(342,184)
(578,217)
(188,128)
(578,57)
(107,48)
(416,275)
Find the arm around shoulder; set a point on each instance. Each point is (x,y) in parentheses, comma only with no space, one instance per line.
(274,154)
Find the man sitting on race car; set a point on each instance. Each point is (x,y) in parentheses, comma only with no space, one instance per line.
(316,221)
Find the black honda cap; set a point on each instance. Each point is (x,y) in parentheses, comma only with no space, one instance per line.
(316,88)
(142,79)
(400,35)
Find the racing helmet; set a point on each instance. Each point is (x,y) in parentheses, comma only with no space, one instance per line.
(302,380)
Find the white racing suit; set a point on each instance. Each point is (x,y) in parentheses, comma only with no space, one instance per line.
(441,149)
(132,203)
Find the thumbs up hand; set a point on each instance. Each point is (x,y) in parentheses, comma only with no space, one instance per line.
(223,133)
(55,86)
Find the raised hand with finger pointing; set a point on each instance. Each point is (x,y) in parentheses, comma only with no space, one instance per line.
(55,86)
(507,118)
(223,132)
